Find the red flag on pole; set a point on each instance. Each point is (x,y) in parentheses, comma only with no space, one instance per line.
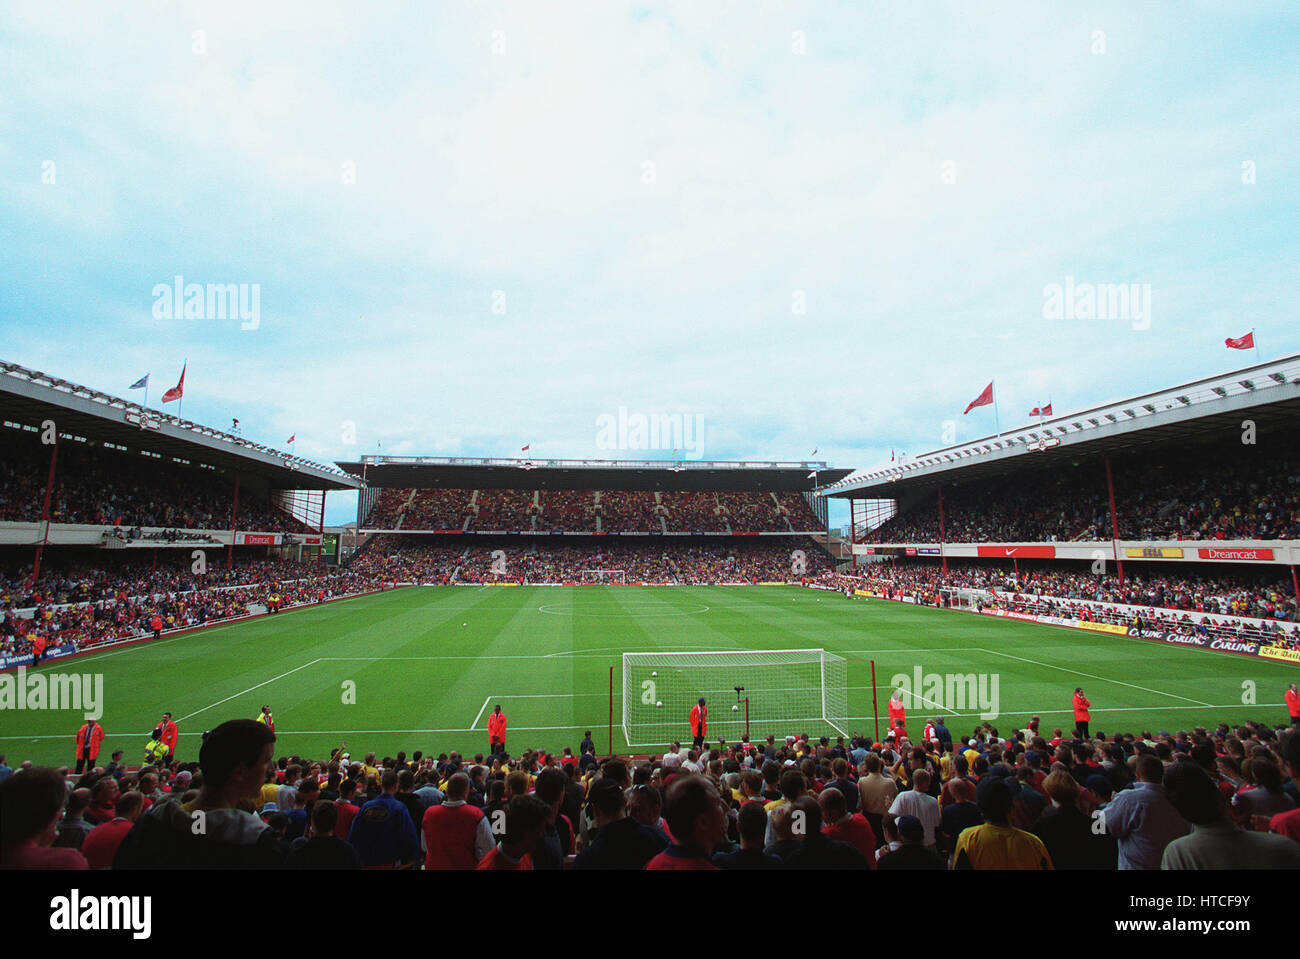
(984,399)
(291,438)
(177,391)
(1041,411)
(1047,410)
(525,448)
(1246,342)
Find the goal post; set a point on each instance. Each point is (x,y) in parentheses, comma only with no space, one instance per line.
(790,692)
(604,576)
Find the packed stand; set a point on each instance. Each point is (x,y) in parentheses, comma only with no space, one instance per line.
(1186,495)
(940,799)
(88,605)
(1175,603)
(100,486)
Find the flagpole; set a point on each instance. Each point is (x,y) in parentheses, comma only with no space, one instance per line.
(1255,342)
(997,422)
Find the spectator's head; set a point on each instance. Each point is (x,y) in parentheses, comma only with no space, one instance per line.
(834,806)
(807,815)
(644,804)
(458,787)
(324,817)
(78,800)
(994,798)
(694,812)
(1191,791)
(607,802)
(526,818)
(1149,769)
(1062,788)
(233,757)
(30,801)
(911,831)
(106,791)
(792,784)
(388,782)
(752,824)
(129,805)
(549,788)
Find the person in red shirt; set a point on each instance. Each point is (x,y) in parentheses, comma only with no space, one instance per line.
(39,644)
(1293,705)
(156,625)
(699,722)
(100,846)
(698,822)
(170,734)
(897,716)
(1081,714)
(30,804)
(851,828)
(525,824)
(347,808)
(89,736)
(497,732)
(456,834)
(1288,823)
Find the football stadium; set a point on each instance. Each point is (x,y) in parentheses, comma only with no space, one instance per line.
(630,574)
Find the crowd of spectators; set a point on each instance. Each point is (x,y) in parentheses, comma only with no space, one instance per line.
(504,509)
(1157,498)
(657,561)
(568,510)
(577,511)
(85,605)
(99,485)
(1174,602)
(1024,799)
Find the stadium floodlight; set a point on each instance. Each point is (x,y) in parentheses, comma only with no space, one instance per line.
(788,691)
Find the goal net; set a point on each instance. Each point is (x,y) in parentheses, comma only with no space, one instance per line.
(790,692)
(604,576)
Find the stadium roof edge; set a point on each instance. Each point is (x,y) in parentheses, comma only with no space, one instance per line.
(1271,389)
(502,473)
(29,397)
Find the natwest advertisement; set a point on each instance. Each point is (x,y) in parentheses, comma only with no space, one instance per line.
(1235,554)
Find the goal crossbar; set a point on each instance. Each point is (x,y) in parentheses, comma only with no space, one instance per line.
(784,692)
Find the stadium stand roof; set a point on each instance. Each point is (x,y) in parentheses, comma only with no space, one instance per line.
(29,398)
(1268,393)
(425,472)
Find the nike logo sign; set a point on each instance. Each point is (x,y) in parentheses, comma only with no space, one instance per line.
(1010,551)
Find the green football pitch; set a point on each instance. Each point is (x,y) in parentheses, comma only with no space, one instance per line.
(421,667)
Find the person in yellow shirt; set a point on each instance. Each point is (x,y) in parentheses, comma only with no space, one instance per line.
(997,844)
(268,793)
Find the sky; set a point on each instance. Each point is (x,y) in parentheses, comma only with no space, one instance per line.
(476,225)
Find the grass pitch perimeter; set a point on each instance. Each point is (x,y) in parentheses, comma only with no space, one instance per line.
(425,681)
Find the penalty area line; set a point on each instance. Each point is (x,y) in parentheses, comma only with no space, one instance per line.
(248,690)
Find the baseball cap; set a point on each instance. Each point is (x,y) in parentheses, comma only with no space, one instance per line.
(911,829)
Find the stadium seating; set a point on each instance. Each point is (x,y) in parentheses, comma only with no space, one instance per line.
(102,486)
